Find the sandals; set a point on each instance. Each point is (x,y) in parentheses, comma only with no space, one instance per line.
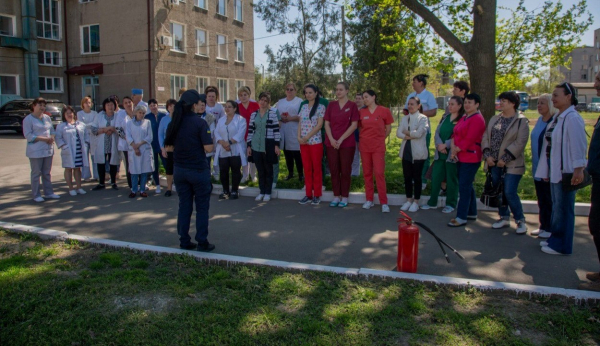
(454,223)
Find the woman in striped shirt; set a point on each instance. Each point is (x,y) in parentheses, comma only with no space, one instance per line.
(73,140)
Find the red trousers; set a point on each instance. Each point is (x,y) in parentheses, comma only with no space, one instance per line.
(374,162)
(312,155)
(340,167)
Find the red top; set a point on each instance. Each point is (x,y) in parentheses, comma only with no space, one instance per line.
(246,113)
(372,129)
(340,120)
(467,135)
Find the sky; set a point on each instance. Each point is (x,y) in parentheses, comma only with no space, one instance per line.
(276,41)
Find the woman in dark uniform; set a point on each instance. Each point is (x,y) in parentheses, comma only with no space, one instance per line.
(191,137)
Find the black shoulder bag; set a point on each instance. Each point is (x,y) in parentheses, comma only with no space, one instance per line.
(493,195)
(567,177)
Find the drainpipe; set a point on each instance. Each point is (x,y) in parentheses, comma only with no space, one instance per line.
(30,55)
(66,36)
(150,88)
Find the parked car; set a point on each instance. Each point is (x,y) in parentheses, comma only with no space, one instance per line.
(581,107)
(13,113)
(594,107)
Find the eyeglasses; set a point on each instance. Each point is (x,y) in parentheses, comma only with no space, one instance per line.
(290,89)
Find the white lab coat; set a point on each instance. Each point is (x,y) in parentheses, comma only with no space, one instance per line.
(137,132)
(236,130)
(121,122)
(66,140)
(89,119)
(100,123)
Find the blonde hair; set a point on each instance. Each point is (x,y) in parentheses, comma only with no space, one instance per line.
(553,110)
(244,89)
(84,100)
(292,84)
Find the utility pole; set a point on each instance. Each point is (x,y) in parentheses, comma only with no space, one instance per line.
(343,44)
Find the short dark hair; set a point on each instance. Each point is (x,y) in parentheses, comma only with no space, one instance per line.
(37,101)
(107,101)
(418,102)
(511,97)
(569,90)
(462,85)
(371,93)
(473,97)
(151,101)
(234,105)
(170,102)
(421,78)
(211,88)
(64,110)
(266,95)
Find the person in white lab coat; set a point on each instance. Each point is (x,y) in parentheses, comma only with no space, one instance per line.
(230,136)
(72,139)
(106,143)
(124,116)
(87,116)
(139,138)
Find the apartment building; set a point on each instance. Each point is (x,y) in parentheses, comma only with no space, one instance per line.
(585,62)
(67,49)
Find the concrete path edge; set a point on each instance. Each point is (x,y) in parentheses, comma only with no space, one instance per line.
(577,296)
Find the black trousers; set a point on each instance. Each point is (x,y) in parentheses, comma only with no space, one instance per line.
(126,155)
(265,172)
(235,164)
(413,177)
(292,156)
(544,197)
(594,219)
(102,170)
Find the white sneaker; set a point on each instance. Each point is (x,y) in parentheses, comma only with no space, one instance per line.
(81,191)
(385,208)
(447,210)
(536,231)
(427,207)
(157,189)
(39,199)
(259,197)
(73,193)
(267,198)
(501,224)
(244,179)
(545,235)
(368,205)
(521,228)
(323,188)
(406,206)
(414,207)
(550,251)
(52,196)
(543,243)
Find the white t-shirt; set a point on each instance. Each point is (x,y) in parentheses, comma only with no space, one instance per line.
(427,101)
(216,110)
(289,129)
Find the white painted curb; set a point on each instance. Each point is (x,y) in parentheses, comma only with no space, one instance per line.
(484,285)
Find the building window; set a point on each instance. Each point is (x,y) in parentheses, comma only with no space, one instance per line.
(201,42)
(202,4)
(85,1)
(178,32)
(201,84)
(50,84)
(90,39)
(177,82)
(222,45)
(221,7)
(237,10)
(9,85)
(48,19)
(223,91)
(7,25)
(584,76)
(239,84)
(49,58)
(239,50)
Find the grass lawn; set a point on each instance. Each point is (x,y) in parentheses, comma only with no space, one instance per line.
(56,293)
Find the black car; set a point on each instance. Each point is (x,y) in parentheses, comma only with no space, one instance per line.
(13,113)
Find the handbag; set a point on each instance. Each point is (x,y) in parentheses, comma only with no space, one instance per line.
(567,177)
(493,195)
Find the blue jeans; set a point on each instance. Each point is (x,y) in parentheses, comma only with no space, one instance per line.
(467,204)
(563,219)
(192,185)
(511,185)
(138,179)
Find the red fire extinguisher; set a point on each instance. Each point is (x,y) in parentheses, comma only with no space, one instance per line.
(408,245)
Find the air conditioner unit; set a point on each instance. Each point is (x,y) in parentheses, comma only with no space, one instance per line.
(175,2)
(166,41)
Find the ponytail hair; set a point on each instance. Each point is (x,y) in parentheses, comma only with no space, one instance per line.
(371,93)
(185,105)
(461,102)
(313,110)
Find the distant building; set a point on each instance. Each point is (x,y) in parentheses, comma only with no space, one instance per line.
(67,49)
(585,62)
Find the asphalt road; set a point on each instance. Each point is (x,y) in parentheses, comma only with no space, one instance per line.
(285,230)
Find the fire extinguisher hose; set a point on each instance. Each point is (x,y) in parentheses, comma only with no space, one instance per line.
(440,242)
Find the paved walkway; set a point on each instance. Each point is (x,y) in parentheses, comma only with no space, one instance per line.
(285,230)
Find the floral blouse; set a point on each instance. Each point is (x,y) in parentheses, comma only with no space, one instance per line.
(496,138)
(307,124)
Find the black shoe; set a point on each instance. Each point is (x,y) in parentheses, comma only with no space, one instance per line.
(98,187)
(205,247)
(234,195)
(224,195)
(305,200)
(301,179)
(316,201)
(289,177)
(114,187)
(442,192)
(132,195)
(190,246)
(168,193)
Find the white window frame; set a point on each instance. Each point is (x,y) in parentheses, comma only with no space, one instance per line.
(45,91)
(199,87)
(173,48)
(206,43)
(238,85)
(43,23)
(197,4)
(14,24)
(236,55)
(86,1)
(17,84)
(223,90)
(81,39)
(219,48)
(59,58)
(175,91)
(224,8)
(238,11)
